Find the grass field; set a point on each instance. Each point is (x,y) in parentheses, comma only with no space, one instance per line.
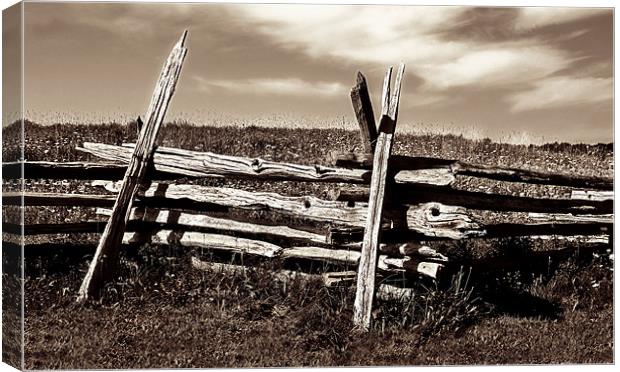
(161,313)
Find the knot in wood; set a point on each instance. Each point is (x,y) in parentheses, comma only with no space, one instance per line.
(433,210)
(256,165)
(174,237)
(320,170)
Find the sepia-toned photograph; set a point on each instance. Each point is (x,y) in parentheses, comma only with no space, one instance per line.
(246,185)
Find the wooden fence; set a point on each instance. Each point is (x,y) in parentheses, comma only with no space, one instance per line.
(377,223)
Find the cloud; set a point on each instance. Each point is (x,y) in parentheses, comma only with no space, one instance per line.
(535,17)
(385,35)
(375,35)
(500,65)
(379,34)
(129,20)
(563,91)
(288,87)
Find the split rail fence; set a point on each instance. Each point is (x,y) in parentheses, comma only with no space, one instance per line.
(378,223)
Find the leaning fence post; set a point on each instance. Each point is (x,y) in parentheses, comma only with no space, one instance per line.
(365,291)
(106,257)
(364,113)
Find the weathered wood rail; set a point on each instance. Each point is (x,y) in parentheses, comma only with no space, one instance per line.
(427,220)
(456,167)
(103,265)
(205,164)
(383,218)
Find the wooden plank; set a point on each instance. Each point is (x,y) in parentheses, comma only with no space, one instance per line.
(385,292)
(322,254)
(349,235)
(581,239)
(401,163)
(408,249)
(206,164)
(567,217)
(243,246)
(205,240)
(219,225)
(436,220)
(339,278)
(425,221)
(365,291)
(106,256)
(479,200)
(239,270)
(592,195)
(364,113)
(222,242)
(307,207)
(430,218)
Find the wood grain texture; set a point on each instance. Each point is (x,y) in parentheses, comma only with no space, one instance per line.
(456,167)
(416,194)
(307,207)
(353,235)
(567,217)
(254,247)
(592,195)
(206,164)
(105,260)
(429,218)
(581,239)
(425,221)
(218,225)
(362,106)
(205,240)
(365,291)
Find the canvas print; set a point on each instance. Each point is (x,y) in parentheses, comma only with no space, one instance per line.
(220,185)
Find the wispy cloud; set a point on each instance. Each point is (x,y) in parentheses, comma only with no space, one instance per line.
(379,34)
(563,91)
(528,68)
(385,35)
(262,86)
(500,65)
(535,17)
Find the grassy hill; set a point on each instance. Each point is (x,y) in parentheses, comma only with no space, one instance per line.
(161,313)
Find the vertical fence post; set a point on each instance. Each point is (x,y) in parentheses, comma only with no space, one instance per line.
(364,113)
(105,260)
(365,291)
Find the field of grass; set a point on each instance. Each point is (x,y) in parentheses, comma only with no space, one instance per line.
(160,312)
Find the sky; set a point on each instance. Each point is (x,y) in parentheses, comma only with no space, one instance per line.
(513,74)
